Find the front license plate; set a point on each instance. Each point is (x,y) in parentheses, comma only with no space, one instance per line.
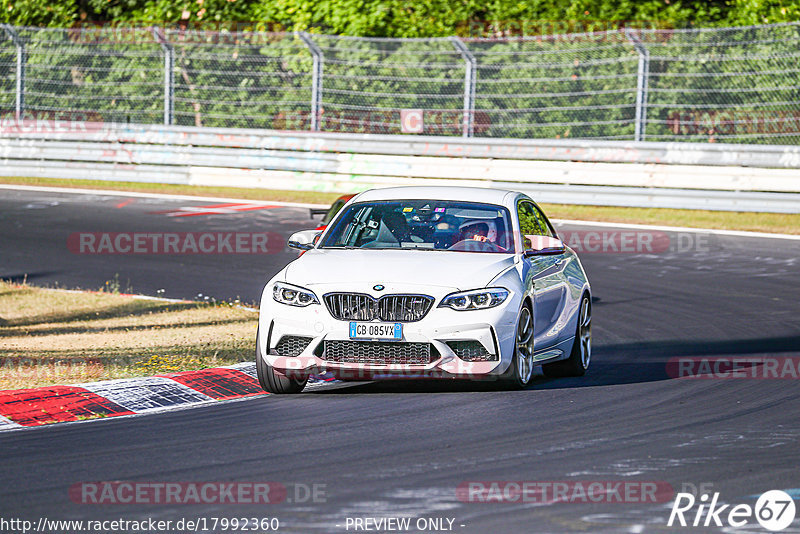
(393,331)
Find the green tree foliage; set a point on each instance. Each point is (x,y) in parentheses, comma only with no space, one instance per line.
(408,18)
(372,18)
(749,12)
(398,18)
(38,12)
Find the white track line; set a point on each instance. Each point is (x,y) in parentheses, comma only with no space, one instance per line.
(736,233)
(76,191)
(107,192)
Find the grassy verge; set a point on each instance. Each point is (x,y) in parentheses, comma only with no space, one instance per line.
(721,220)
(55,337)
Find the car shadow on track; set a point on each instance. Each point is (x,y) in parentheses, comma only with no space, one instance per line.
(430,385)
(614,364)
(649,361)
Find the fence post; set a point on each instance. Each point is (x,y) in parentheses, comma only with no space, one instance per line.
(316,79)
(469,86)
(21,60)
(169,81)
(642,79)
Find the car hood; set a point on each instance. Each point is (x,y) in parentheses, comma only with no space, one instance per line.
(396,269)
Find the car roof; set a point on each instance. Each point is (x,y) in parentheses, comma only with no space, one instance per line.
(464,194)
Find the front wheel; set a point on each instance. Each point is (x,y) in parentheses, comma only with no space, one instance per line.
(270,380)
(581,355)
(520,371)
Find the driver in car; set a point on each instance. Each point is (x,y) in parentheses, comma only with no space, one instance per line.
(483,231)
(398,226)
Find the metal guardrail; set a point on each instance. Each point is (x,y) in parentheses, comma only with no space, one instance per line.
(767,156)
(677,175)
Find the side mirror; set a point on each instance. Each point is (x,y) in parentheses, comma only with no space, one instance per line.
(314,212)
(304,240)
(540,245)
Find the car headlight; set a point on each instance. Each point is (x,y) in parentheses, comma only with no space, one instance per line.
(477,299)
(293,295)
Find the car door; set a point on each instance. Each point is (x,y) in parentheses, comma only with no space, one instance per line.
(544,276)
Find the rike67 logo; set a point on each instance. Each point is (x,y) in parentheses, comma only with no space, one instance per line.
(774,511)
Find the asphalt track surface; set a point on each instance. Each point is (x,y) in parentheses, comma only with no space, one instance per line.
(387,449)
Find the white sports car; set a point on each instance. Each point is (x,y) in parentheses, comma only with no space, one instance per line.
(429,282)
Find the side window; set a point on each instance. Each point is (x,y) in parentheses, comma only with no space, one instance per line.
(334,209)
(531,222)
(543,223)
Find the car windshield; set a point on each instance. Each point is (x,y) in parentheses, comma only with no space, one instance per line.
(423,224)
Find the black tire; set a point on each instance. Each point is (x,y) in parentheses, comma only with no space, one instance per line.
(578,361)
(512,378)
(273,382)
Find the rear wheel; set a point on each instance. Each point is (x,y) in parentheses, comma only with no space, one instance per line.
(581,355)
(270,380)
(520,371)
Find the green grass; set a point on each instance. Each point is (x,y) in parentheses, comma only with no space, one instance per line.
(722,220)
(49,336)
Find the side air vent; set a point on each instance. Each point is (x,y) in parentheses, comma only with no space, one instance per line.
(471,351)
(290,346)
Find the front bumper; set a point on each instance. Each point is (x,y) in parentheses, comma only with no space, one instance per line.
(493,329)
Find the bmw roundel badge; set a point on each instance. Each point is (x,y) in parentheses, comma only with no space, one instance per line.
(378,287)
